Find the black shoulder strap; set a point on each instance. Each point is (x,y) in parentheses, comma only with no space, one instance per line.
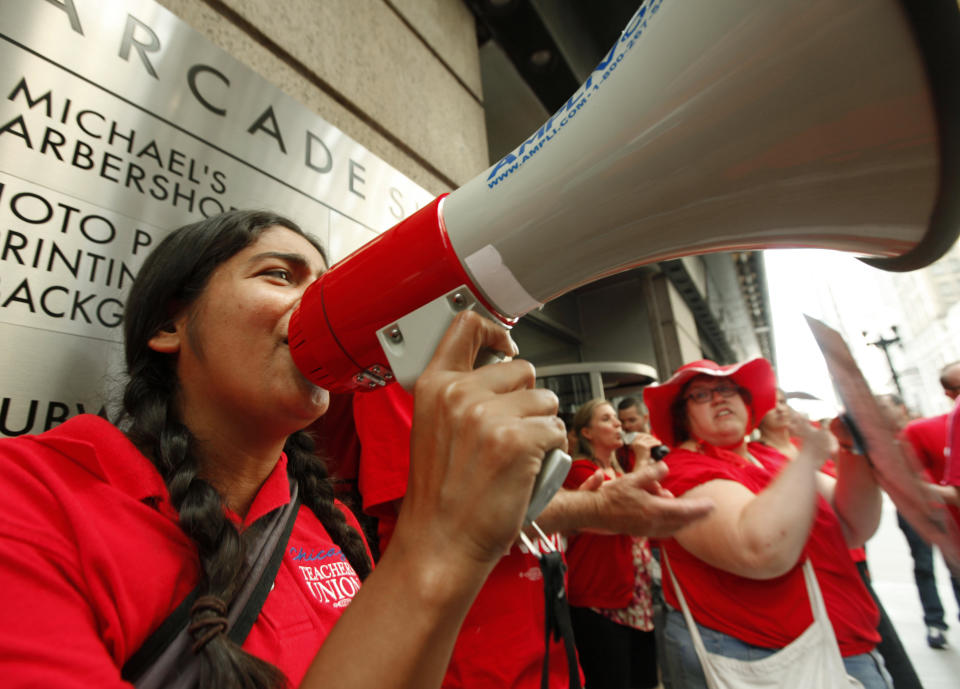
(558,622)
(162,636)
(268,552)
(264,583)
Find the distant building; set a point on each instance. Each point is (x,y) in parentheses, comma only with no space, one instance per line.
(914,317)
(930,330)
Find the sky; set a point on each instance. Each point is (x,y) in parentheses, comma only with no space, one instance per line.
(823,284)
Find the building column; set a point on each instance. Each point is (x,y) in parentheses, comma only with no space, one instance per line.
(672,324)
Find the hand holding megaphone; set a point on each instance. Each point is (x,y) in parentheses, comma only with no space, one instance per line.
(477,443)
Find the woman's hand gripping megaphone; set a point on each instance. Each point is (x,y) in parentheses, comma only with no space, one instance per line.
(478,443)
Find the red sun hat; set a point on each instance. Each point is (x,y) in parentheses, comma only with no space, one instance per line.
(755,376)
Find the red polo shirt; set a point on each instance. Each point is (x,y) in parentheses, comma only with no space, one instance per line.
(383,419)
(928,437)
(92,560)
(951,471)
(600,569)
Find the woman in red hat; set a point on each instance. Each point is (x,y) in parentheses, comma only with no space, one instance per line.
(741,572)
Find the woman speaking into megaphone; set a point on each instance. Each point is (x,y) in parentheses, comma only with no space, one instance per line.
(197,541)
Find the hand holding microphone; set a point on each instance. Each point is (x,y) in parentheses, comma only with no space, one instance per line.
(644,446)
(659,452)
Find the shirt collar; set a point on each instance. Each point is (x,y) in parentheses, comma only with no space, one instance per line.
(274,493)
(103,449)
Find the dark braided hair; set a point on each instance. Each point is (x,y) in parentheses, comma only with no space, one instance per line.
(172,277)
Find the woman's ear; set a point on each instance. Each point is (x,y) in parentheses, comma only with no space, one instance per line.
(167,338)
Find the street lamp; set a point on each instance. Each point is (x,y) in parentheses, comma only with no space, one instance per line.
(885,344)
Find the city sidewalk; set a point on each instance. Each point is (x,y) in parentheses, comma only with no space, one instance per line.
(892,571)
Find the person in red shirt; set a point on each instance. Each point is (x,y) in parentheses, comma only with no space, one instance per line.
(928,438)
(105,529)
(609,575)
(741,568)
(638,442)
(950,482)
(501,643)
(776,430)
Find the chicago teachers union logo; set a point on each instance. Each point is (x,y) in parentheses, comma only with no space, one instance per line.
(327,575)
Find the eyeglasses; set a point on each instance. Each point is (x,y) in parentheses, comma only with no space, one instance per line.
(703,394)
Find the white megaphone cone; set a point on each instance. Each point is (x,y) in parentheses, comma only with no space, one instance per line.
(707,127)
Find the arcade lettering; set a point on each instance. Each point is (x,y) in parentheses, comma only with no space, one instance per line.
(209,86)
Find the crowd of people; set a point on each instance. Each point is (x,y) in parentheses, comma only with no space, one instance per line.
(199,540)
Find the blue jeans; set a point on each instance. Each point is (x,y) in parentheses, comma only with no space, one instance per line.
(922,555)
(684,668)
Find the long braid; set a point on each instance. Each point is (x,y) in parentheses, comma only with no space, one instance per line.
(221,548)
(153,427)
(316,491)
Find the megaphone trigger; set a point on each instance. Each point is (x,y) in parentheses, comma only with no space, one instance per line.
(410,341)
(486,355)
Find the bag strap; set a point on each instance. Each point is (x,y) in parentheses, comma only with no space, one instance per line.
(263,573)
(162,637)
(168,647)
(558,620)
(817,606)
(687,615)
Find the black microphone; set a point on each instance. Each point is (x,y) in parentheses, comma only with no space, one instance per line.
(659,452)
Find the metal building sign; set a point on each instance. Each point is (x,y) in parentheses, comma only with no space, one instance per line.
(118,123)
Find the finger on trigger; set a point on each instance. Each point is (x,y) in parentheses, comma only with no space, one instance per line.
(461,343)
(508,376)
(529,402)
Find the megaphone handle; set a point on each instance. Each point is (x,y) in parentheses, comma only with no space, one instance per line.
(553,472)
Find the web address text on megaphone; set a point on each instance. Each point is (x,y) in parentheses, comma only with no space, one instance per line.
(552,127)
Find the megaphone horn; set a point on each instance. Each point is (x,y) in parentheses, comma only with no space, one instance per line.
(707,127)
